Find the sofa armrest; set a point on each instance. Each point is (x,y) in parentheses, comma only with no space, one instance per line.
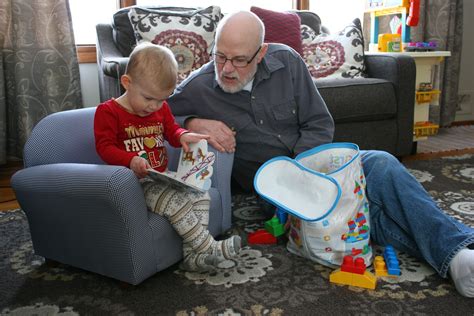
(90,216)
(110,59)
(400,70)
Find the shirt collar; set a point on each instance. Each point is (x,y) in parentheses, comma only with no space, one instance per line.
(248,86)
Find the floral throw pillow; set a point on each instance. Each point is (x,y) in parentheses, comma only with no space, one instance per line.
(189,34)
(336,56)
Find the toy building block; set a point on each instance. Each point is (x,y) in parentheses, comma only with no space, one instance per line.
(282,215)
(380,267)
(261,236)
(274,227)
(358,277)
(366,280)
(390,256)
(355,266)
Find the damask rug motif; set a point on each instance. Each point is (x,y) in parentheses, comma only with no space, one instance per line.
(263,280)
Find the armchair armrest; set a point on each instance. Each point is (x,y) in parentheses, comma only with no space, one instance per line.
(110,59)
(69,206)
(400,70)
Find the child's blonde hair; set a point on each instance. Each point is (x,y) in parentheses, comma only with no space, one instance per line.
(153,62)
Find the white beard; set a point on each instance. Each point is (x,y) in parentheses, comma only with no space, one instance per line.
(240,83)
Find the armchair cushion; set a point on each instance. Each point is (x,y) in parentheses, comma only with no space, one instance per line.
(189,34)
(335,56)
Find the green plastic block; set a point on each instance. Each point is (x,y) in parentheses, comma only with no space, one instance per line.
(274,227)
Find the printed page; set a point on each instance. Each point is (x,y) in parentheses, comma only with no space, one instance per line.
(194,168)
(171,178)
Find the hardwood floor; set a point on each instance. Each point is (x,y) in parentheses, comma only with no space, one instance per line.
(7,196)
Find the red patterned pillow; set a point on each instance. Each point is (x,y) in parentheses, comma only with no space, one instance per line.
(281,27)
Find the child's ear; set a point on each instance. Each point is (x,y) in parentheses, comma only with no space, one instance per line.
(125,81)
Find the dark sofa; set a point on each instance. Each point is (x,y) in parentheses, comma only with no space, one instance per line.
(375,112)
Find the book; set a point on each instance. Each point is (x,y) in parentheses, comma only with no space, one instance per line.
(194,169)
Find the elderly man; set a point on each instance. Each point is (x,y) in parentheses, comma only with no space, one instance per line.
(259,100)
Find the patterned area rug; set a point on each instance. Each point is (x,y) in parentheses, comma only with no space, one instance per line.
(263,280)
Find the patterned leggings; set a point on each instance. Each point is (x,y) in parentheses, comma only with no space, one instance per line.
(188,213)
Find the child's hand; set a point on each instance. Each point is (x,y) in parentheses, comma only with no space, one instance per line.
(191,138)
(139,166)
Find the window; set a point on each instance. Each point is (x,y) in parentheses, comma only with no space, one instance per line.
(336,14)
(86,14)
(226,5)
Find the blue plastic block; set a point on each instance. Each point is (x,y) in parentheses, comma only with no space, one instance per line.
(282,215)
(390,256)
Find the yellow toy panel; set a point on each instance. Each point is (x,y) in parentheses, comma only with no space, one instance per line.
(426,96)
(425,129)
(389,43)
(381,5)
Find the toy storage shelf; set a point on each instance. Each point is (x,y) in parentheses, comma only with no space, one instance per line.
(426,96)
(427,64)
(424,129)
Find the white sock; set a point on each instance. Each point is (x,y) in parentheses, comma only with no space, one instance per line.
(462,272)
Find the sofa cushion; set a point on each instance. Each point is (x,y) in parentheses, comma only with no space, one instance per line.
(311,20)
(339,55)
(123,32)
(123,35)
(358,99)
(189,34)
(281,27)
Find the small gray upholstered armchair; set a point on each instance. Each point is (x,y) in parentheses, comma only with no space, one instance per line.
(93,216)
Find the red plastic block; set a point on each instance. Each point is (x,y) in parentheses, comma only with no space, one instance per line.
(261,236)
(347,264)
(353,266)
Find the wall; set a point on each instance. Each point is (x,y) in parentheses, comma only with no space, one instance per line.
(89,84)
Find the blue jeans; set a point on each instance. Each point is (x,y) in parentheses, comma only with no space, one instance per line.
(404,215)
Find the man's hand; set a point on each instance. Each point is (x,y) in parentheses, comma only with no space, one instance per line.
(139,166)
(221,137)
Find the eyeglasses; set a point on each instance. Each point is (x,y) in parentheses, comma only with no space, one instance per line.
(238,62)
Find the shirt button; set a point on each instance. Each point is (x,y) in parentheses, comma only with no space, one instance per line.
(253,97)
(261,121)
(279,136)
(294,111)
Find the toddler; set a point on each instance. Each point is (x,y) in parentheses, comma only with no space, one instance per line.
(131,131)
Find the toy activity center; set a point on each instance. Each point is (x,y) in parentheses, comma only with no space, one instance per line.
(409,11)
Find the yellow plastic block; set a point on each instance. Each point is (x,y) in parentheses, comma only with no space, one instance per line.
(366,280)
(380,266)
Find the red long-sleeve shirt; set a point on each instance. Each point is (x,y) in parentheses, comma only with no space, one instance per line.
(120,135)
